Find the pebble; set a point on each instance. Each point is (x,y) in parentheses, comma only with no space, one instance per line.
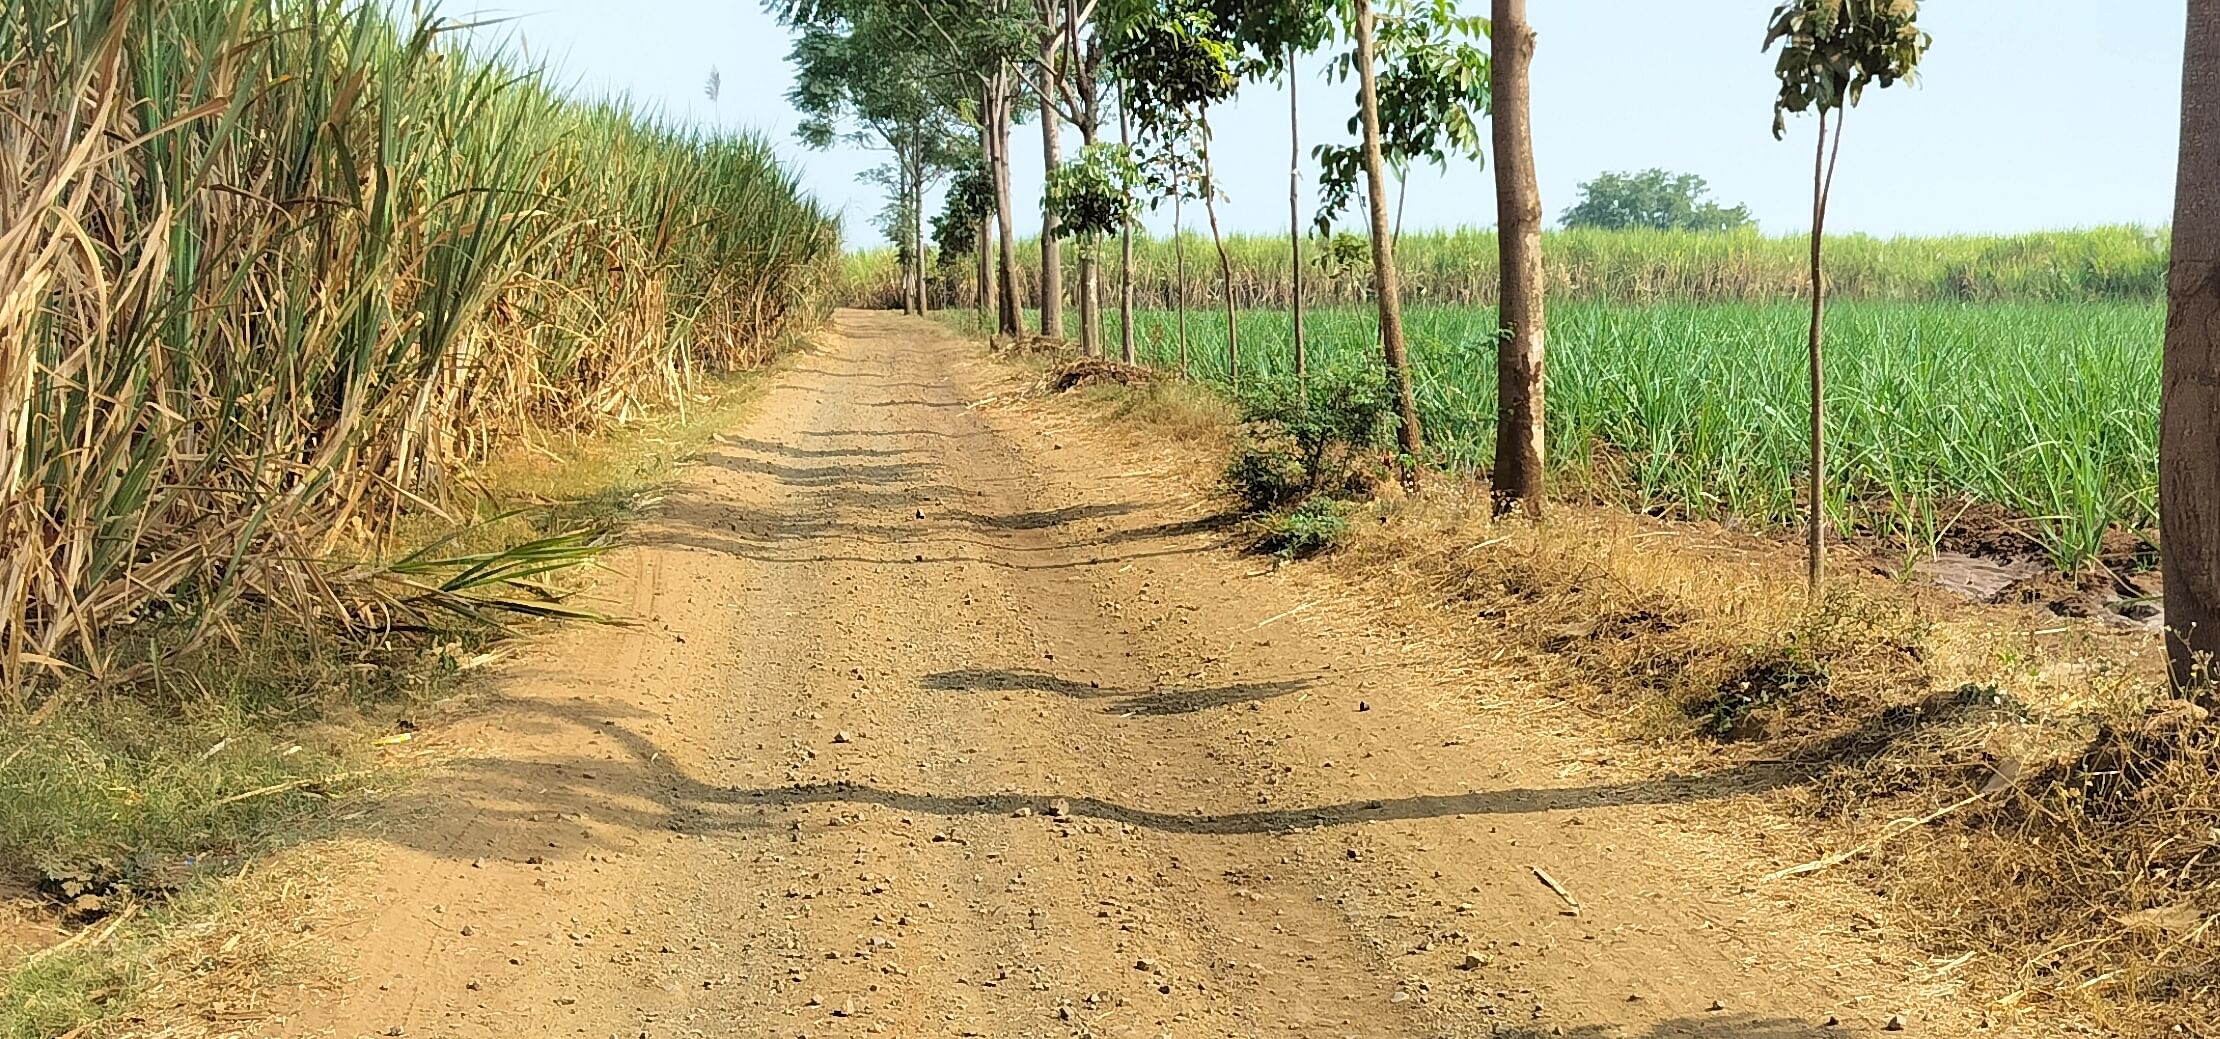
(1896,1023)
(844,736)
(1717,1006)
(1472,961)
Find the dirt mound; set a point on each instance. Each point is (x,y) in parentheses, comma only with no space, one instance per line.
(1092,372)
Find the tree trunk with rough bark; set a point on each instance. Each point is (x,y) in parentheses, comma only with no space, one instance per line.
(1518,197)
(1052,248)
(999,112)
(983,296)
(2189,393)
(1409,436)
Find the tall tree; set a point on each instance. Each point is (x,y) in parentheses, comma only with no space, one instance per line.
(1518,203)
(1271,34)
(863,84)
(1831,51)
(1421,90)
(1052,253)
(1091,197)
(1653,198)
(1384,284)
(1066,77)
(2189,392)
(963,227)
(1175,62)
(970,49)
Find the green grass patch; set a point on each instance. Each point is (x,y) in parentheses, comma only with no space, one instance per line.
(2047,410)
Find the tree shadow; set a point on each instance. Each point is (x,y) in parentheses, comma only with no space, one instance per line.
(882,433)
(807,453)
(1161,701)
(820,475)
(642,787)
(1046,518)
(1710,1026)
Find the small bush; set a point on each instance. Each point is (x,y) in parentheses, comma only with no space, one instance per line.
(1306,440)
(1265,476)
(1315,526)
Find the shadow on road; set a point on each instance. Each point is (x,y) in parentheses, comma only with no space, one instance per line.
(643,788)
(1158,701)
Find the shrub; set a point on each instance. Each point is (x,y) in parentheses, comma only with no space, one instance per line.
(1305,440)
(1305,530)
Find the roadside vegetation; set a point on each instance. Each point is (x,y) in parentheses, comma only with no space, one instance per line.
(305,301)
(2031,789)
(1458,267)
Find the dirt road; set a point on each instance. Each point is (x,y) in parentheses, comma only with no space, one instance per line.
(948,716)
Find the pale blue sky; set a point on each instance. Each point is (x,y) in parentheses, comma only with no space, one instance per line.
(2031,114)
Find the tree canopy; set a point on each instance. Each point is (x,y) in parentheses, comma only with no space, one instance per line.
(1653,198)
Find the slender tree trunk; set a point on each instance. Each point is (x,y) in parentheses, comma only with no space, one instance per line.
(1390,293)
(1052,248)
(1225,260)
(2189,395)
(984,291)
(1179,272)
(1518,200)
(1815,504)
(1087,119)
(1402,196)
(1090,279)
(1295,217)
(999,106)
(1125,246)
(917,238)
(905,249)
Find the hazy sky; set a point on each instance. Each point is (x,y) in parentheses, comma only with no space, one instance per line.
(2030,114)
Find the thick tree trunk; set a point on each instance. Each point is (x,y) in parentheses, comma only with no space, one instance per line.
(1090,297)
(1225,260)
(1295,216)
(1518,200)
(1384,283)
(1125,248)
(1052,248)
(999,107)
(2189,395)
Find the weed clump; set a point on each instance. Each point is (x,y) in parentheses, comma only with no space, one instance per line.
(1307,451)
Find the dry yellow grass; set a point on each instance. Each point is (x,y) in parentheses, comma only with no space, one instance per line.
(2066,851)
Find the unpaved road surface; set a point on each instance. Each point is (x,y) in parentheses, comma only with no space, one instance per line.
(948,714)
